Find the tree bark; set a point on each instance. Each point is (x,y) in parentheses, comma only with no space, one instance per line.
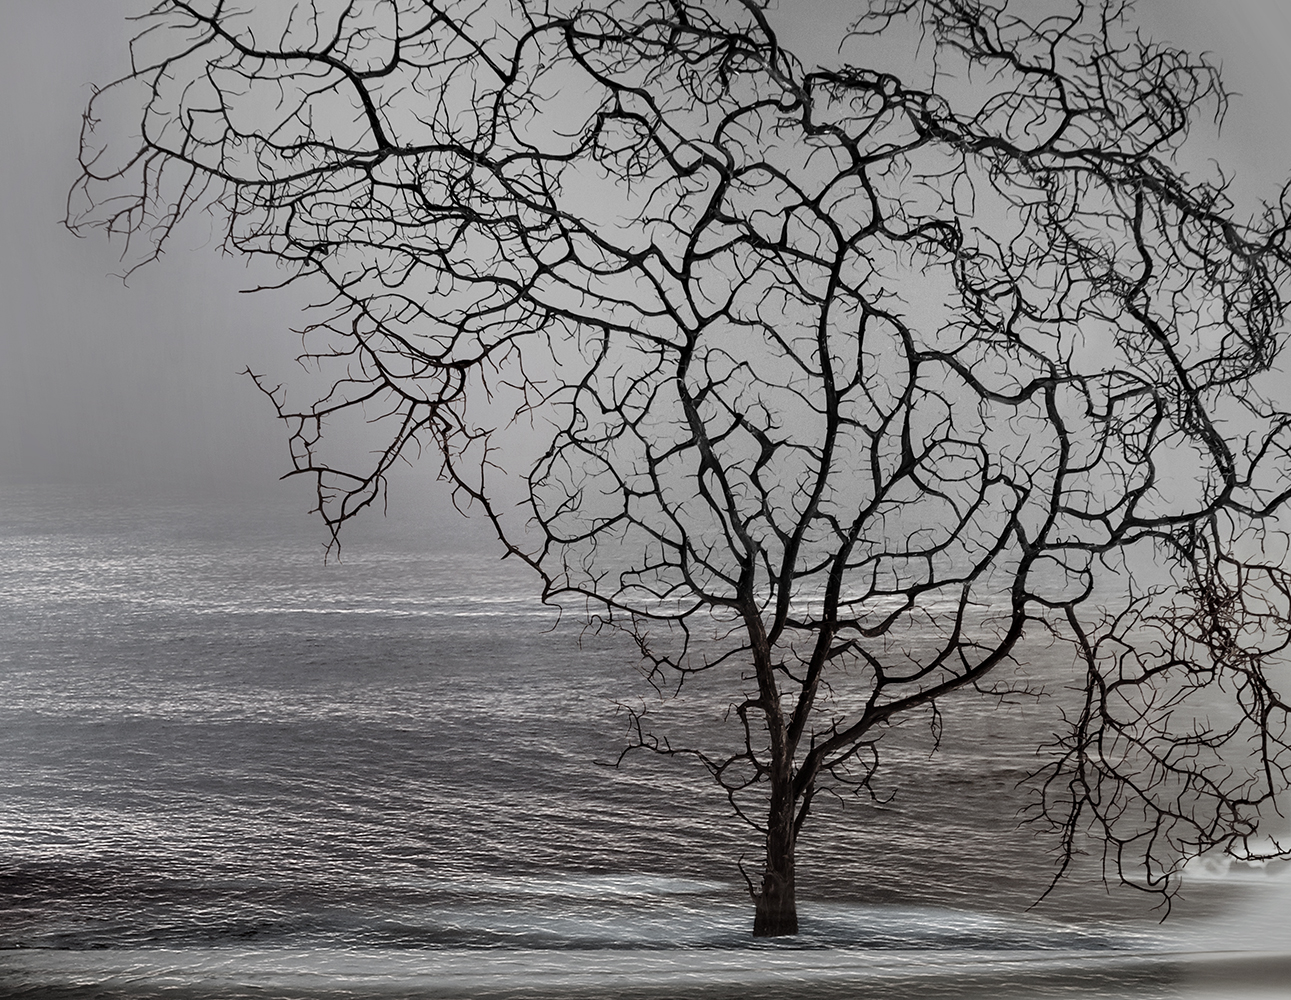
(776,905)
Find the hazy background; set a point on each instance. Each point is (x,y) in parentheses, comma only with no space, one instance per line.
(135,388)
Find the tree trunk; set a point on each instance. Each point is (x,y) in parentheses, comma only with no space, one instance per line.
(776,907)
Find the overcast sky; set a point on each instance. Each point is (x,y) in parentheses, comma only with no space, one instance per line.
(138,387)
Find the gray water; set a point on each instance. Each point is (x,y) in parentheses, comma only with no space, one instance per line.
(229,769)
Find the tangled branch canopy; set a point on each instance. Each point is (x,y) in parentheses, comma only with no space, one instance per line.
(843,378)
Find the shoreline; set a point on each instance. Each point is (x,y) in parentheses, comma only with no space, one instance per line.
(229,973)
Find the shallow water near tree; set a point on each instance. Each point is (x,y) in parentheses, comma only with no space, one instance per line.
(233,770)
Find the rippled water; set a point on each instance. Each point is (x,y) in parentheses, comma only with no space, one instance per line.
(231,770)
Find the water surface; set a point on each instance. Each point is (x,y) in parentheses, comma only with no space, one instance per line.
(230,769)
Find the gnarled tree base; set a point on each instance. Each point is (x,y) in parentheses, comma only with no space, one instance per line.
(776,908)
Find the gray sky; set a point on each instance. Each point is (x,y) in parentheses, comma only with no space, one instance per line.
(103,383)
(137,386)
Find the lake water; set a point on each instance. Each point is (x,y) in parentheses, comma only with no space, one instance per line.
(230,770)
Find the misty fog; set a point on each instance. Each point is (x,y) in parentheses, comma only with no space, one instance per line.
(135,387)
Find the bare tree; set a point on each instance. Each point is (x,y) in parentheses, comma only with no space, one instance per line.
(829,384)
